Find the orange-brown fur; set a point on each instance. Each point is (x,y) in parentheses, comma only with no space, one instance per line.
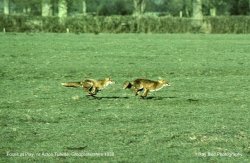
(145,85)
(91,86)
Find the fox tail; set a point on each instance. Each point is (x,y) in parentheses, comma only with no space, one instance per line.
(72,84)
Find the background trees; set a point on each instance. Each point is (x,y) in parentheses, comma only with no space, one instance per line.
(122,7)
(139,7)
(197,13)
(113,7)
(62,8)
(6,7)
(46,8)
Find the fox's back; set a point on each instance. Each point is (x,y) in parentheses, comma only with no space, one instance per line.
(146,83)
(103,83)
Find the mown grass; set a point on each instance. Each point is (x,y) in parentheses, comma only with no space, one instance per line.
(204,114)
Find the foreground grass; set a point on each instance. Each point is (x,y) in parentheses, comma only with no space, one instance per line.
(203,116)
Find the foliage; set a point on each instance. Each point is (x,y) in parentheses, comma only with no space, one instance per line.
(29,7)
(221,6)
(239,7)
(125,7)
(232,24)
(121,24)
(114,7)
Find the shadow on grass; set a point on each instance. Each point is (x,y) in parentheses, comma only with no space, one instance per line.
(192,100)
(77,148)
(118,97)
(107,97)
(158,98)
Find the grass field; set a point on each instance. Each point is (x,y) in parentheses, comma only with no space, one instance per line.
(203,116)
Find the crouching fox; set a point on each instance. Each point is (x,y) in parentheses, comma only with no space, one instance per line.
(145,86)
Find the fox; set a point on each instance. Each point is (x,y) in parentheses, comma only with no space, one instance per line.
(91,86)
(145,86)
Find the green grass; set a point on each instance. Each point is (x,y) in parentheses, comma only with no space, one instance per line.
(204,112)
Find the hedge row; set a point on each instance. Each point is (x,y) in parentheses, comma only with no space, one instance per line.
(124,24)
(230,24)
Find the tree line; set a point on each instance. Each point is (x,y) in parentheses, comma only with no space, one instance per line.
(180,8)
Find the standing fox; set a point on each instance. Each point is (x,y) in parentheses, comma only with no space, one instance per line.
(145,85)
(91,86)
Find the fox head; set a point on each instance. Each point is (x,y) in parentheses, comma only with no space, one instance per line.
(164,82)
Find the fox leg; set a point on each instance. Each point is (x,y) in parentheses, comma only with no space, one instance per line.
(145,93)
(137,91)
(96,90)
(92,91)
(89,90)
(87,86)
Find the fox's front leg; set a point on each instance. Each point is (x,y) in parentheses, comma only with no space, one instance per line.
(137,91)
(92,91)
(95,90)
(145,93)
